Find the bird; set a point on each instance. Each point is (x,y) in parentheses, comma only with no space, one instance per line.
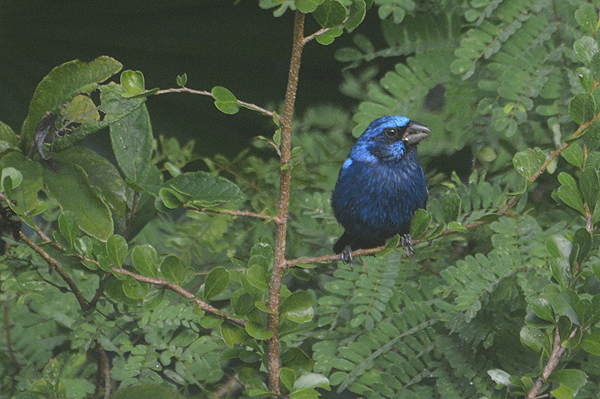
(380,186)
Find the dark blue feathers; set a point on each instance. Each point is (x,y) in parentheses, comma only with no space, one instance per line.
(380,185)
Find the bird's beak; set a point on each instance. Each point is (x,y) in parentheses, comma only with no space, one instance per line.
(415,133)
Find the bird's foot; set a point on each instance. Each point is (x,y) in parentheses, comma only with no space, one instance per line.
(406,242)
(346,256)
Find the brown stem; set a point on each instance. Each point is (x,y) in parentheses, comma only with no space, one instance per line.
(558,352)
(279,263)
(9,344)
(54,265)
(229,212)
(181,291)
(103,375)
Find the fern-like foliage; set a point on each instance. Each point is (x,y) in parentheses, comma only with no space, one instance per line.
(508,57)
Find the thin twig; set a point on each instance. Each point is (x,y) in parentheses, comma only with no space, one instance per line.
(322,31)
(181,291)
(55,265)
(103,374)
(244,104)
(9,344)
(279,262)
(228,212)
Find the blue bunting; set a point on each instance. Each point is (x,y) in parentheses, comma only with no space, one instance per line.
(380,186)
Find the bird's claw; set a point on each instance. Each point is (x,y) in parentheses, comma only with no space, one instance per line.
(406,242)
(346,256)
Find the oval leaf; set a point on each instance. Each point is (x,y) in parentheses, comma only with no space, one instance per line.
(225,101)
(582,108)
(117,249)
(72,190)
(216,282)
(145,260)
(205,189)
(174,270)
(298,307)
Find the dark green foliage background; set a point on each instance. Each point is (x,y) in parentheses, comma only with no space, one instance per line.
(506,269)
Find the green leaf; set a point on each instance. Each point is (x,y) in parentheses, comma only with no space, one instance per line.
(565,304)
(298,307)
(582,239)
(71,188)
(533,338)
(528,162)
(357,13)
(257,331)
(171,198)
(297,360)
(112,105)
(574,155)
(174,270)
(8,138)
(307,6)
(500,377)
(390,246)
(81,109)
(131,140)
(288,377)
(329,36)
(133,81)
(305,393)
(102,175)
(543,310)
(62,84)
(225,101)
(592,344)
(26,193)
(419,223)
(14,176)
(582,108)
(451,207)
(568,192)
(585,48)
(133,289)
(182,80)
(147,391)
(216,282)
(242,302)
(145,260)
(68,226)
(587,17)
(257,277)
(232,334)
(571,381)
(51,373)
(205,189)
(595,67)
(330,13)
(117,249)
(312,380)
(589,183)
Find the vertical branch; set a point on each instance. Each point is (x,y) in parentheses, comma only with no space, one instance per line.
(282,205)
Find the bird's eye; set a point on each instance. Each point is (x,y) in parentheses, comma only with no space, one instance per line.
(391,132)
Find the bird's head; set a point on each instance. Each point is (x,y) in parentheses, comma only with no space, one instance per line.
(388,139)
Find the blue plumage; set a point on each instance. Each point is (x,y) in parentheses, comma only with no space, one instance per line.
(380,185)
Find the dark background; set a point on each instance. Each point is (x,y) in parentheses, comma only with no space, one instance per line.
(216,42)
